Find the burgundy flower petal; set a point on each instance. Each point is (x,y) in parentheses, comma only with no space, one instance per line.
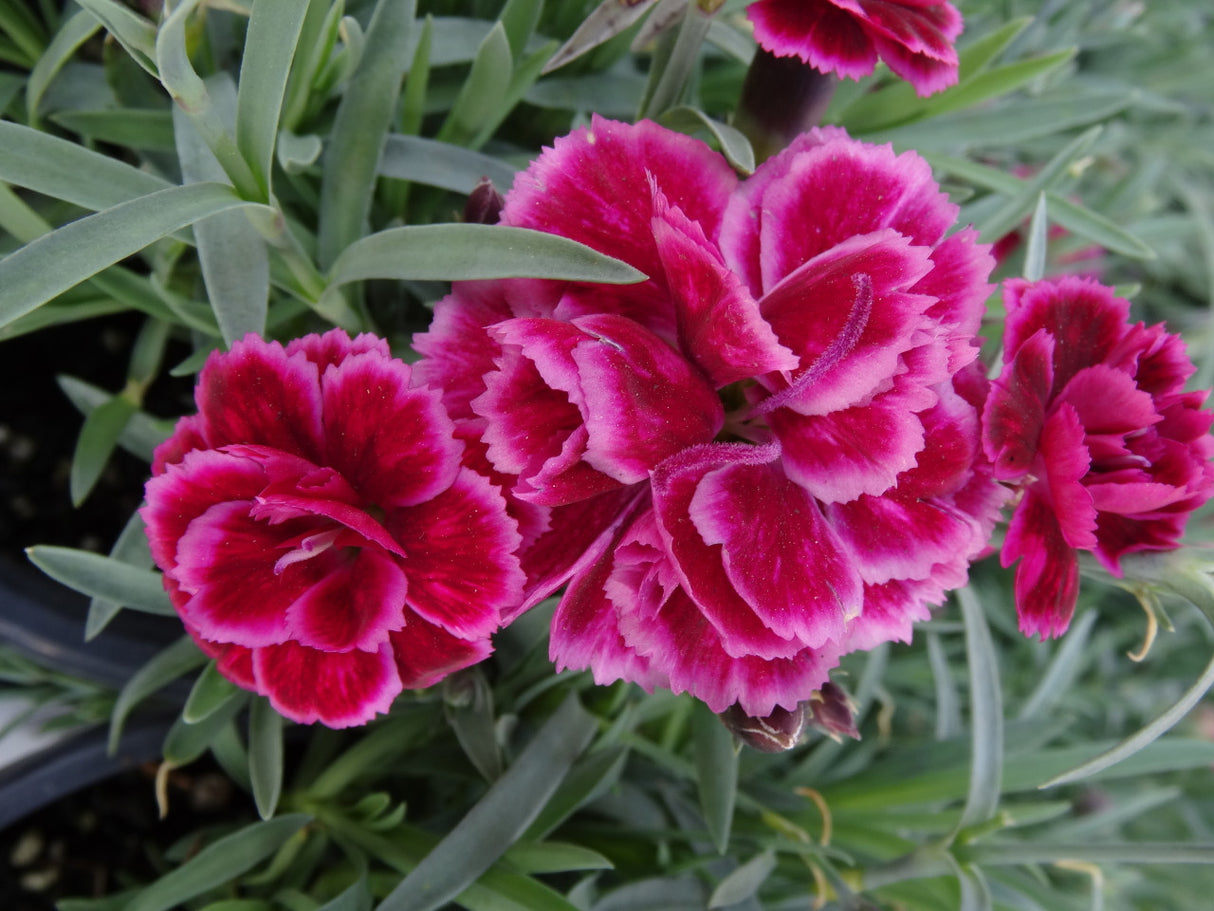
(394,444)
(279,398)
(958,282)
(354,606)
(187,436)
(425,654)
(233,661)
(719,324)
(820,33)
(335,346)
(460,558)
(1047,578)
(1066,462)
(890,612)
(338,689)
(1015,410)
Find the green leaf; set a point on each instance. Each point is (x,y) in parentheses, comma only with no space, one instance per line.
(500,817)
(74,32)
(483,94)
(744,882)
(1006,853)
(986,716)
(170,663)
(191,95)
(554,857)
(670,75)
(103,577)
(734,144)
(590,777)
(233,255)
(186,741)
(64,170)
(1062,670)
(142,433)
(298,153)
(519,18)
(355,898)
(468,705)
(716,762)
(1035,249)
(1144,736)
(265,755)
(1014,210)
(454,252)
(219,863)
(440,164)
(133,128)
(50,265)
(948,706)
(610,18)
(96,443)
(1097,228)
(270,42)
(136,34)
(362,121)
(525,72)
(131,548)
(211,691)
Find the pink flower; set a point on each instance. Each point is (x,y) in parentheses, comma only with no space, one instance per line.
(1091,419)
(318,534)
(914,37)
(767,454)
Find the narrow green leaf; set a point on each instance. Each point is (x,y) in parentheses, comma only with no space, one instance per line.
(948,706)
(1083,222)
(744,882)
(1062,670)
(150,130)
(170,663)
(670,79)
(986,715)
(483,94)
(716,762)
(131,548)
(1017,853)
(50,265)
(136,34)
(142,433)
(468,705)
(975,893)
(454,252)
(1014,210)
(440,164)
(997,82)
(190,93)
(734,144)
(554,857)
(185,742)
(1035,249)
(219,863)
(523,76)
(519,18)
(610,18)
(413,101)
(590,777)
(1144,736)
(79,28)
(103,577)
(501,816)
(265,755)
(96,443)
(362,122)
(355,898)
(234,258)
(270,42)
(68,171)
(211,690)
(317,38)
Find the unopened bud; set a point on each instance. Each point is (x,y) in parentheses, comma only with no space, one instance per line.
(831,712)
(781,730)
(484,206)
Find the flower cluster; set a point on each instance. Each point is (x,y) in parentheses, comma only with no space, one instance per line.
(1090,419)
(778,448)
(318,534)
(774,439)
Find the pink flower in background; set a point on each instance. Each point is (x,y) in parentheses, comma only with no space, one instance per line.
(318,534)
(1091,418)
(769,450)
(914,37)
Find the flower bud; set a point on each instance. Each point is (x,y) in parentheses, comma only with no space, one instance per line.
(484,206)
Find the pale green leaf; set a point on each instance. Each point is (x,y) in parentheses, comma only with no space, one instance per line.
(265,755)
(668,80)
(361,125)
(142,433)
(96,443)
(554,857)
(744,882)
(185,742)
(986,715)
(716,762)
(500,817)
(483,94)
(440,164)
(734,144)
(150,130)
(166,666)
(270,42)
(50,265)
(1035,249)
(211,690)
(218,863)
(136,34)
(79,28)
(103,577)
(130,548)
(609,18)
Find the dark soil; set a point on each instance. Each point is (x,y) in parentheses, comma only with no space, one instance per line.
(107,838)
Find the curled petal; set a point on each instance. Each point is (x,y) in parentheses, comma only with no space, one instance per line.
(1047,578)
(335,346)
(425,653)
(1015,410)
(353,606)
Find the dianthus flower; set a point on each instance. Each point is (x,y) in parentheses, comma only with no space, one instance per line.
(318,534)
(1091,420)
(914,37)
(767,453)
